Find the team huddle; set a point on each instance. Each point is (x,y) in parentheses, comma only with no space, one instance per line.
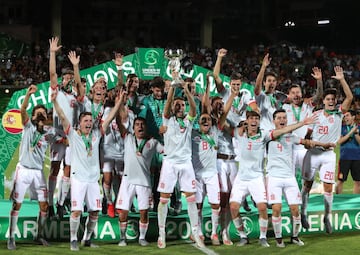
(239,143)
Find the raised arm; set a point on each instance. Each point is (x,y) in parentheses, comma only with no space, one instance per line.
(118,62)
(227,106)
(114,111)
(24,115)
(170,99)
(339,75)
(75,60)
(217,67)
(307,121)
(205,101)
(317,74)
(54,47)
(65,122)
(190,99)
(260,76)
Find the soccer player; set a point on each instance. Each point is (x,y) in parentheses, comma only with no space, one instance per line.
(85,173)
(326,130)
(349,153)
(250,178)
(281,179)
(299,108)
(70,102)
(266,99)
(177,165)
(204,151)
(36,137)
(139,150)
(226,164)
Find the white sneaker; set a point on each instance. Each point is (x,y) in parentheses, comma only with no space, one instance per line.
(296,240)
(143,242)
(161,243)
(11,244)
(263,242)
(199,242)
(74,245)
(122,242)
(280,243)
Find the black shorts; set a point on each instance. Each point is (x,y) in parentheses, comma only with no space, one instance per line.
(345,166)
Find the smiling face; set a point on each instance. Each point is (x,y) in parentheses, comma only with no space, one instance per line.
(329,102)
(99,91)
(270,83)
(349,119)
(205,123)
(179,108)
(295,96)
(139,128)
(280,120)
(86,123)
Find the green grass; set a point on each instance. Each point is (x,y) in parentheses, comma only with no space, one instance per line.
(340,243)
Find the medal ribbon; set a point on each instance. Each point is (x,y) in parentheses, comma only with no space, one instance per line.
(296,112)
(208,139)
(37,137)
(95,113)
(87,142)
(330,112)
(140,147)
(181,122)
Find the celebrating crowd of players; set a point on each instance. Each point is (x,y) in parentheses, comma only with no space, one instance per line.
(172,141)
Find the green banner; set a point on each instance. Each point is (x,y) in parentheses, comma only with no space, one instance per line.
(149,62)
(10,131)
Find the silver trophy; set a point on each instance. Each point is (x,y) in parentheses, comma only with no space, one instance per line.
(174,64)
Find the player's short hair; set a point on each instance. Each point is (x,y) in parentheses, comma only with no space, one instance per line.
(235,76)
(270,74)
(330,91)
(139,119)
(157,82)
(251,114)
(278,111)
(67,71)
(39,106)
(294,86)
(83,114)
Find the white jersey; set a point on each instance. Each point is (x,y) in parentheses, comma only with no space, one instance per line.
(204,152)
(113,143)
(34,145)
(267,107)
(177,140)
(252,154)
(97,110)
(85,165)
(137,164)
(280,156)
(296,114)
(327,129)
(225,143)
(71,108)
(238,108)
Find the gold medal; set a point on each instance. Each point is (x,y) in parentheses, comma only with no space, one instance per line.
(89,154)
(216,148)
(138,153)
(31,149)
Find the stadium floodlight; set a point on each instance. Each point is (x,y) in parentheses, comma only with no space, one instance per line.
(7,91)
(290,24)
(323,22)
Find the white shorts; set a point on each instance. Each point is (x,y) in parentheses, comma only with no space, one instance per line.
(171,173)
(115,166)
(324,161)
(227,170)
(88,192)
(298,155)
(288,186)
(255,187)
(57,151)
(29,178)
(68,156)
(208,186)
(127,194)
